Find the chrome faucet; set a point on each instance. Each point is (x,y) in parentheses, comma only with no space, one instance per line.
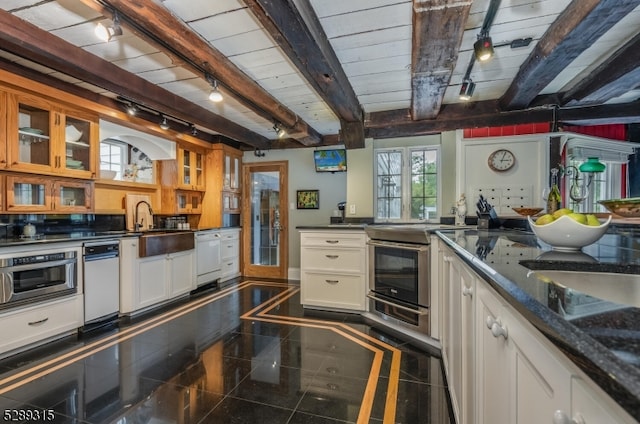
(136,224)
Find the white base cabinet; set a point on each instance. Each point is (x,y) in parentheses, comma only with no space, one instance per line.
(500,368)
(152,280)
(26,326)
(229,253)
(333,269)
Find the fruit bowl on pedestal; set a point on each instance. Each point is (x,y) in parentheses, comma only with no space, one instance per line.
(567,234)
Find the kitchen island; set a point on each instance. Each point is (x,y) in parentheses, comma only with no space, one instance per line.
(598,336)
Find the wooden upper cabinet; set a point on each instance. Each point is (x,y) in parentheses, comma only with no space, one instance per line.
(31,193)
(43,137)
(190,169)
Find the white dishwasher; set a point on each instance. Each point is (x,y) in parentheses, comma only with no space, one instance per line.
(208,264)
(101,280)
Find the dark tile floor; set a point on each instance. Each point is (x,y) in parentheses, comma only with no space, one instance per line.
(245,354)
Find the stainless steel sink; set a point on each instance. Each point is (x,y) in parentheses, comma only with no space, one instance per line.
(161,242)
(619,288)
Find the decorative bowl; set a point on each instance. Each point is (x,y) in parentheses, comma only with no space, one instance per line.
(527,211)
(566,234)
(628,208)
(72,133)
(107,174)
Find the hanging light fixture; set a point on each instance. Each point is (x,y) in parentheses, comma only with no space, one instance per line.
(107,32)
(483,47)
(163,123)
(466,89)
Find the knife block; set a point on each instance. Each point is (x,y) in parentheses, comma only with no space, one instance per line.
(485,222)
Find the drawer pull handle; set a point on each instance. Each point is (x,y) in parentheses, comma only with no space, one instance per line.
(42,321)
(332,256)
(333,241)
(332,281)
(229,264)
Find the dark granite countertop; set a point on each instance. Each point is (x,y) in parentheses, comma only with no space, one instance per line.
(61,238)
(601,336)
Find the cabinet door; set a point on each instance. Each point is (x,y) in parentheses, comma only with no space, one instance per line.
(588,407)
(31,125)
(190,169)
(231,172)
(230,202)
(493,358)
(189,202)
(78,145)
(152,277)
(460,340)
(72,196)
(182,275)
(28,194)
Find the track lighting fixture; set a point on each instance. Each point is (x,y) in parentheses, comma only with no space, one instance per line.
(483,48)
(163,123)
(280,132)
(259,153)
(194,130)
(215,95)
(132,109)
(466,89)
(107,32)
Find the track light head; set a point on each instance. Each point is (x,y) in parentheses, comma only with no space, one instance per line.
(280,132)
(107,32)
(466,89)
(163,123)
(483,48)
(215,95)
(132,109)
(194,130)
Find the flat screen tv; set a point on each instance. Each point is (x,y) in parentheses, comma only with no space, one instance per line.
(332,160)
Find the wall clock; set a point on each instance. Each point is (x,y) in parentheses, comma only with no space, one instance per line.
(501,160)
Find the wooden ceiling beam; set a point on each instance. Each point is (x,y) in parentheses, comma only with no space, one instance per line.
(157,22)
(438,26)
(575,29)
(30,42)
(295,27)
(614,77)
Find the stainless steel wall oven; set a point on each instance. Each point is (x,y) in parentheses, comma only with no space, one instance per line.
(34,277)
(399,280)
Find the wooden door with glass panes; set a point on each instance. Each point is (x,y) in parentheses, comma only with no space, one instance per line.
(189,202)
(79,142)
(27,193)
(190,169)
(72,196)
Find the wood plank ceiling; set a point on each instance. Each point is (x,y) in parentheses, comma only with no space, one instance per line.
(334,71)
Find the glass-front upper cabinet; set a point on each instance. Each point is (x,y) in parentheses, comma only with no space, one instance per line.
(45,138)
(29,193)
(190,169)
(231,172)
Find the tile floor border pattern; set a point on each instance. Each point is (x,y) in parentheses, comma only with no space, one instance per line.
(262,313)
(42,369)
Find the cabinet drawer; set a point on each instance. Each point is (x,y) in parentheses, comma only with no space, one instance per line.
(333,290)
(229,249)
(229,235)
(230,266)
(349,260)
(329,239)
(32,324)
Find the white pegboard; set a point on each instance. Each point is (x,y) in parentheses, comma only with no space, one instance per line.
(503,198)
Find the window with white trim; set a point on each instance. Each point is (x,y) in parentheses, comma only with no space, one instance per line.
(114,157)
(407,184)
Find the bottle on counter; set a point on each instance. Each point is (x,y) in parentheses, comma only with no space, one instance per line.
(553,199)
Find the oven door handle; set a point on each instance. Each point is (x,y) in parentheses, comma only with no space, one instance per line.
(6,287)
(27,267)
(419,311)
(414,247)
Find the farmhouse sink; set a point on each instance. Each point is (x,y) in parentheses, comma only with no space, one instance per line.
(619,288)
(161,242)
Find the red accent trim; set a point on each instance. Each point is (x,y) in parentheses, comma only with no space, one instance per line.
(520,129)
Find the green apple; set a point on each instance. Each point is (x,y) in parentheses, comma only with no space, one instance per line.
(578,217)
(592,220)
(562,211)
(545,219)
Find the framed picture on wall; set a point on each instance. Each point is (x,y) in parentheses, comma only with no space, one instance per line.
(308,199)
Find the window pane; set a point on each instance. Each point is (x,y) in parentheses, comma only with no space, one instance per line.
(389,184)
(424,184)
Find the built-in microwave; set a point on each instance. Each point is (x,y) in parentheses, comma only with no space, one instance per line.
(34,277)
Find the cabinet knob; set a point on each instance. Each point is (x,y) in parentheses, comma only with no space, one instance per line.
(496,327)
(561,417)
(467,291)
(447,259)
